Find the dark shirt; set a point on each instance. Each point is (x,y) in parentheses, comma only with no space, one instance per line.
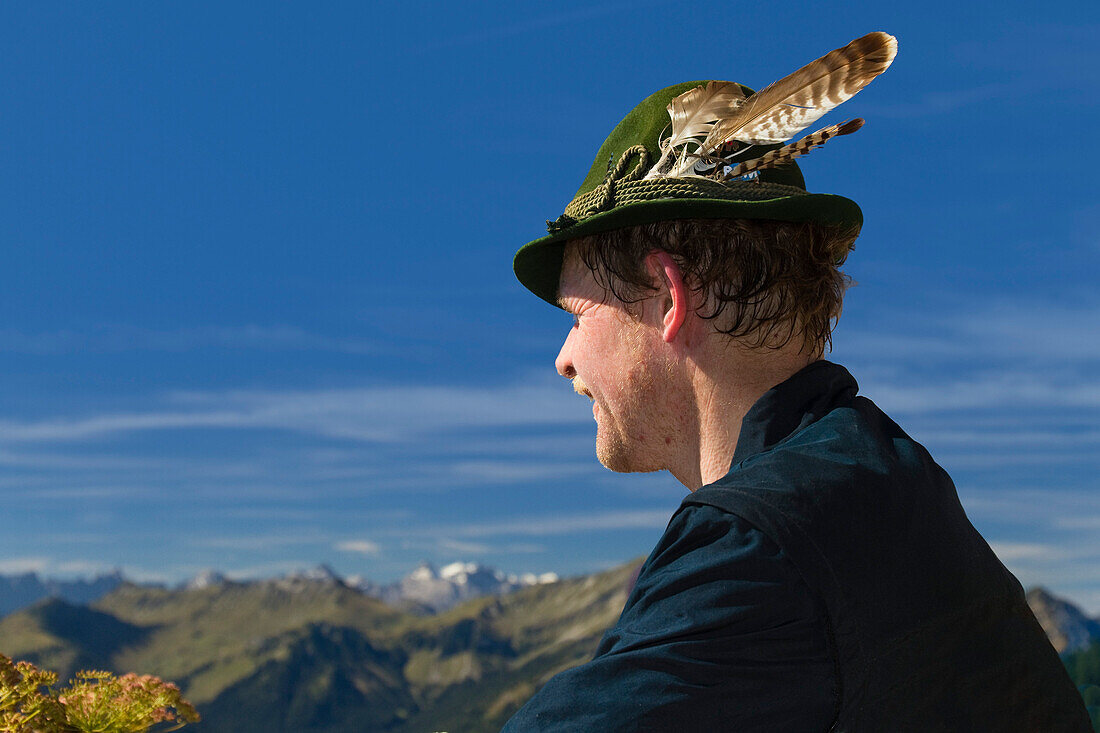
(830,581)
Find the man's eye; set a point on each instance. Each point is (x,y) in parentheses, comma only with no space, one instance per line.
(576,321)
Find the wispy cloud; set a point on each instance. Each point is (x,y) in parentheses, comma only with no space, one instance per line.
(83,568)
(449,548)
(562,524)
(1036,504)
(1080,521)
(371,414)
(511,471)
(1035,330)
(262,541)
(1010,552)
(55,460)
(1020,438)
(24,564)
(145,575)
(361,547)
(998,356)
(464,548)
(48,567)
(120,338)
(315,514)
(996,390)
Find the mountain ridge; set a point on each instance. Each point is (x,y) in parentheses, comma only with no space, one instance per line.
(423,590)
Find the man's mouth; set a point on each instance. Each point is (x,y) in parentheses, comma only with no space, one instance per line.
(581,388)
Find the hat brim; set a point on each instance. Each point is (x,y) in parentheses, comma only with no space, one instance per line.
(538,264)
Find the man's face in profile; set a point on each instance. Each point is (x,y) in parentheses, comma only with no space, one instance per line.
(613,358)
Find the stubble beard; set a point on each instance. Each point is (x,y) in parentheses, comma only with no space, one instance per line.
(625,440)
(613,452)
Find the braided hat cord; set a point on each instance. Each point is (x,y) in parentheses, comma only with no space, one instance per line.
(621,187)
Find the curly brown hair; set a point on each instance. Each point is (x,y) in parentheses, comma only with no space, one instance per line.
(765,282)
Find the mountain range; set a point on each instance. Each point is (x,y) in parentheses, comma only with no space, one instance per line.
(312,652)
(424,590)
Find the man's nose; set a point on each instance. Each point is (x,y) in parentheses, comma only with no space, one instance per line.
(564,362)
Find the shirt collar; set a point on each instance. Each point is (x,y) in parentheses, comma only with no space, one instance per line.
(790,406)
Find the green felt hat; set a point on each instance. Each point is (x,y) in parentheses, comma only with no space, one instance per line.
(614,195)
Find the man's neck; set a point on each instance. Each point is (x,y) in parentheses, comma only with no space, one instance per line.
(726,383)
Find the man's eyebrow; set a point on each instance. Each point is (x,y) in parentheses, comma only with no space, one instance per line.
(563,305)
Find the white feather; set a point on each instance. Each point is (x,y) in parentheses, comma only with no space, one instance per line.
(693,114)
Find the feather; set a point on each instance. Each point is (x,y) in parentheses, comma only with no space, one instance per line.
(787,153)
(783,109)
(693,114)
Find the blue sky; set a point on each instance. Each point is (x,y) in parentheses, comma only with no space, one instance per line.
(256,302)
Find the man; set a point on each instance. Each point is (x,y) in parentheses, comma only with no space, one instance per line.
(822,574)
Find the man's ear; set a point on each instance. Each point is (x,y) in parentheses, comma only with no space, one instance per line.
(674,295)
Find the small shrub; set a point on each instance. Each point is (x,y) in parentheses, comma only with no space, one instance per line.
(94,702)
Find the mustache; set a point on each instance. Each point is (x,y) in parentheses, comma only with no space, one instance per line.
(581,388)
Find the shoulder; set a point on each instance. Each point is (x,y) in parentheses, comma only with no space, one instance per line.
(710,536)
(712,572)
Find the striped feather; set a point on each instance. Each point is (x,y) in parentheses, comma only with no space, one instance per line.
(783,109)
(788,153)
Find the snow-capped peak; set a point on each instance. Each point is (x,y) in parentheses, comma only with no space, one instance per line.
(540,579)
(424,571)
(455,569)
(300,579)
(453,583)
(204,579)
(321,572)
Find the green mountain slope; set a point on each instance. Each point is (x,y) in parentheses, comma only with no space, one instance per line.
(211,638)
(66,638)
(319,678)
